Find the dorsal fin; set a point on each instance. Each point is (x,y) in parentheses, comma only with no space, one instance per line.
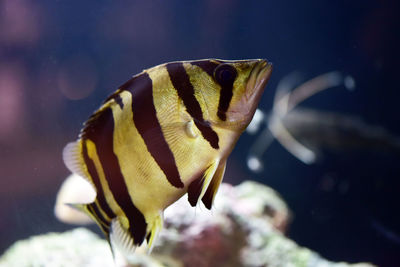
(93,121)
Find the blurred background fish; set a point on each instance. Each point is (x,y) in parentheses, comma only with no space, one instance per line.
(304,132)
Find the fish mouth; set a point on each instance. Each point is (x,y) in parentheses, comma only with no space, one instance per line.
(258,78)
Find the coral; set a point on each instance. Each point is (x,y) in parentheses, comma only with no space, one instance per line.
(245,228)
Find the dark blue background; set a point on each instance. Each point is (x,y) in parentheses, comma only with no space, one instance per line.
(116,39)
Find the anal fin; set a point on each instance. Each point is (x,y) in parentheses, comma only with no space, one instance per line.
(198,187)
(122,244)
(212,188)
(92,210)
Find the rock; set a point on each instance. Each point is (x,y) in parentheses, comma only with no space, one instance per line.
(77,248)
(245,228)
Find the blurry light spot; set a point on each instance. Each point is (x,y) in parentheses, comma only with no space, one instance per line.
(349,83)
(77,77)
(255,122)
(254,164)
(327,183)
(343,187)
(333,78)
(19,22)
(12,77)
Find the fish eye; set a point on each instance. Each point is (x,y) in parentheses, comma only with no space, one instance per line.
(225,74)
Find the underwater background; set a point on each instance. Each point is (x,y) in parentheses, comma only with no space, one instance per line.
(60,59)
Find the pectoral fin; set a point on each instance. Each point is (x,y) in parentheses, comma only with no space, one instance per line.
(198,187)
(212,189)
(154,229)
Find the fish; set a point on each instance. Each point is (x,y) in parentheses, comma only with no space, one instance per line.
(306,133)
(285,104)
(165,132)
(335,131)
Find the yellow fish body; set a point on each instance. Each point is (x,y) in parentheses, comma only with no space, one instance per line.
(165,132)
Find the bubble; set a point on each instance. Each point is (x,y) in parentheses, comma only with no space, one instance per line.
(349,83)
(254,164)
(255,122)
(77,77)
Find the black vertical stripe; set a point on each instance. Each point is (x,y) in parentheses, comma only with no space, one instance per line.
(180,80)
(208,196)
(117,98)
(101,221)
(102,130)
(226,87)
(225,75)
(148,237)
(210,192)
(207,66)
(95,210)
(194,190)
(146,122)
(224,100)
(96,181)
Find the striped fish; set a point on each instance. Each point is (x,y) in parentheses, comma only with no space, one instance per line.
(165,132)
